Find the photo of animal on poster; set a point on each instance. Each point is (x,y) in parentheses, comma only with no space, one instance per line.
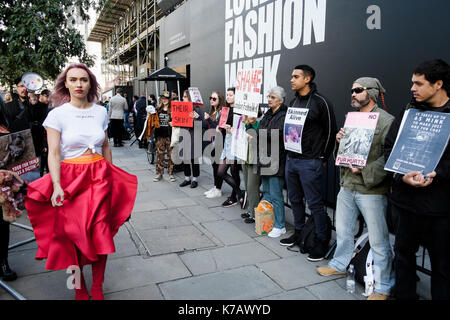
(355,145)
(17,154)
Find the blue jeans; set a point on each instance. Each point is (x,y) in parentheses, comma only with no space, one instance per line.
(126,124)
(304,180)
(272,188)
(373,208)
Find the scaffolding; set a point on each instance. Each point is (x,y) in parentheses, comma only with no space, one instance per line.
(128,31)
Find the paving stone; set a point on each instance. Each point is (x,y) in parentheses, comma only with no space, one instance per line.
(273,244)
(179,202)
(199,214)
(359,289)
(246,283)
(330,290)
(154,205)
(226,232)
(294,272)
(247,228)
(150,292)
(162,219)
(180,239)
(133,272)
(297,294)
(207,261)
(229,214)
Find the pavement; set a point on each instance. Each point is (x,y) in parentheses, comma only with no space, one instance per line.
(179,245)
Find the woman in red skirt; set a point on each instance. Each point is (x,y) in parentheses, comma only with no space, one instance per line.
(78,207)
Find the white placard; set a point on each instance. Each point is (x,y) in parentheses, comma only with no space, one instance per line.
(293,129)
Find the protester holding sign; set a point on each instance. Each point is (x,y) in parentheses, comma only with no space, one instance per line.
(272,157)
(304,170)
(163,137)
(421,199)
(193,148)
(363,190)
(228,159)
(211,120)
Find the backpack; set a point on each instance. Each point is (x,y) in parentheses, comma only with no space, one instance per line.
(362,261)
(307,239)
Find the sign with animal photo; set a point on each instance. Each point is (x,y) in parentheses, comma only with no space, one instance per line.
(17,152)
(196,96)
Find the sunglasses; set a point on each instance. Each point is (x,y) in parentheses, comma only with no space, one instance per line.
(212,98)
(360,89)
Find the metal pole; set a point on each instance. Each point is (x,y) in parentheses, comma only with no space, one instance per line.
(11,291)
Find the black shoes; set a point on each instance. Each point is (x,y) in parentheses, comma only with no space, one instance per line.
(229,202)
(194,184)
(185,183)
(291,240)
(245,215)
(249,220)
(5,271)
(319,251)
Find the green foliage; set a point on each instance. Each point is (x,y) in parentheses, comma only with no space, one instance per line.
(38,36)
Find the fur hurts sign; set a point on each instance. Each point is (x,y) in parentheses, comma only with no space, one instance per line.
(257,32)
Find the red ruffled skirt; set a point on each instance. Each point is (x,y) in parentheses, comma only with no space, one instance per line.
(98,199)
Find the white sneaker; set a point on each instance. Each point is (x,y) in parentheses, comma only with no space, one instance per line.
(276,232)
(209,191)
(157,178)
(172,178)
(216,193)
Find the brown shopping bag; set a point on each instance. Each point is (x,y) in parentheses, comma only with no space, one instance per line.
(264,218)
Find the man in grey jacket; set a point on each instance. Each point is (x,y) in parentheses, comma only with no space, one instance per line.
(364,190)
(117,106)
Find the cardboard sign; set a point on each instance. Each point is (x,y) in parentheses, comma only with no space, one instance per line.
(196,96)
(181,114)
(248,91)
(224,117)
(17,152)
(293,129)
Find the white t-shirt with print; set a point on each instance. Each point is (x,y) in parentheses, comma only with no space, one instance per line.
(80,129)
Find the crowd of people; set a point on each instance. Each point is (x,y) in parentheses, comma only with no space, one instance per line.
(418,199)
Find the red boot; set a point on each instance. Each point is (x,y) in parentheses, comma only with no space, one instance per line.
(98,277)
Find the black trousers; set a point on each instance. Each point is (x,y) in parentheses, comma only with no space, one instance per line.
(433,233)
(117,130)
(195,169)
(4,237)
(218,181)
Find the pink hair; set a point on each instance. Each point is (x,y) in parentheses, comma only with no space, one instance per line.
(62,94)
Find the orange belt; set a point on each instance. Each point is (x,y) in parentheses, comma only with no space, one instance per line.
(84,159)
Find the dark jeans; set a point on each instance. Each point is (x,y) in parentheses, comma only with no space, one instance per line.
(117,130)
(4,237)
(234,180)
(433,233)
(304,180)
(195,169)
(43,164)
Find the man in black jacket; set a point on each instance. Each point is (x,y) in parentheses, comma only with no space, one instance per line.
(421,200)
(16,111)
(141,115)
(304,170)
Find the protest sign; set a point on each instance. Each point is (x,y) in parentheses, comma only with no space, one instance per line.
(17,153)
(196,96)
(420,143)
(248,91)
(293,129)
(181,114)
(239,143)
(359,128)
(224,117)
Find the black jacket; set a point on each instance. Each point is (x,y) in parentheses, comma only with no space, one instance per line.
(431,200)
(320,127)
(16,114)
(277,161)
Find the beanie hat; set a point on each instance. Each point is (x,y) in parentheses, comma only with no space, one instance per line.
(374,85)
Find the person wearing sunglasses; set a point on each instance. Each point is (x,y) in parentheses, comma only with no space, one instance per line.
(304,171)
(211,120)
(365,191)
